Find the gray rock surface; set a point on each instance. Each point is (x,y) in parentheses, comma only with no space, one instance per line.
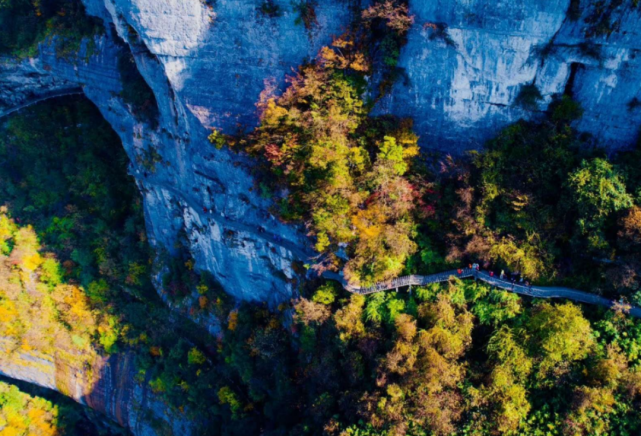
(461,89)
(207,66)
(109,387)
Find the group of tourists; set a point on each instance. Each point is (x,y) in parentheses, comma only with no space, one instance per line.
(514,277)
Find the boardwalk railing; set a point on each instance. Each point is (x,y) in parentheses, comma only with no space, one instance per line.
(531,291)
(413,280)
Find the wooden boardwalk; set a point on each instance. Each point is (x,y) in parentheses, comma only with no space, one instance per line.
(530,291)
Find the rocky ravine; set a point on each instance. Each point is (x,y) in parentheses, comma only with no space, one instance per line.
(208,62)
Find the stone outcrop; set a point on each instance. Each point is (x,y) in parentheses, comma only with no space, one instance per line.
(466,62)
(108,386)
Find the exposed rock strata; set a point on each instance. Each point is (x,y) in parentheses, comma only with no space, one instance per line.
(463,78)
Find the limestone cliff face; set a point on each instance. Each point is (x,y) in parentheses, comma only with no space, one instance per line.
(207,68)
(195,58)
(108,386)
(466,62)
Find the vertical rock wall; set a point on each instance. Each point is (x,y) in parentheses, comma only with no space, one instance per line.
(108,387)
(467,60)
(207,67)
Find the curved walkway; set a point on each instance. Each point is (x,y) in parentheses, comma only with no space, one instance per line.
(531,291)
(306,254)
(48,96)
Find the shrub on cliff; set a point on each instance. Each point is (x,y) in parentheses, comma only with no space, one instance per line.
(40,312)
(22,413)
(599,191)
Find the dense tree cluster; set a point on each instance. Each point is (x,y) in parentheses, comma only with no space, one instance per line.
(541,200)
(66,175)
(458,358)
(37,310)
(22,414)
(346,174)
(25,413)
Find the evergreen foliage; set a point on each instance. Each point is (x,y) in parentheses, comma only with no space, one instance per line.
(25,23)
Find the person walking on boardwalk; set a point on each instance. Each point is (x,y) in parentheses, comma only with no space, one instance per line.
(502,276)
